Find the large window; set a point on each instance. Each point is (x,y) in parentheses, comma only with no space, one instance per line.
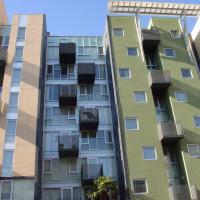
(197,121)
(131,123)
(18,54)
(54,72)
(194,150)
(140,186)
(53,53)
(6,190)
(118,32)
(124,73)
(181,96)
(16,76)
(52,92)
(149,153)
(169,52)
(102,140)
(10,132)
(60,117)
(13,101)
(132,51)
(100,71)
(21,34)
(93,93)
(186,73)
(104,115)
(7,169)
(140,97)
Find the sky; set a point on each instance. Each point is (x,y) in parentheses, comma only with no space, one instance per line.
(74,17)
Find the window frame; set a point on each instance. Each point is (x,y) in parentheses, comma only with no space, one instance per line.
(122,31)
(21,38)
(155,153)
(189,77)
(146,186)
(195,121)
(164,50)
(46,172)
(193,156)
(137,52)
(137,123)
(145,97)
(186,96)
(129,72)
(171,34)
(11,189)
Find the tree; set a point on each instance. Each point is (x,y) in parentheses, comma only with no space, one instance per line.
(104,188)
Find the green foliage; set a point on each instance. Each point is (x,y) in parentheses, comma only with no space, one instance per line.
(104,188)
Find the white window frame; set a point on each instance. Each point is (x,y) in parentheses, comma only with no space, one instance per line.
(136,123)
(114,29)
(186,97)
(179,34)
(132,48)
(194,120)
(45,172)
(20,37)
(146,185)
(11,192)
(190,73)
(167,55)
(155,152)
(189,151)
(145,95)
(129,72)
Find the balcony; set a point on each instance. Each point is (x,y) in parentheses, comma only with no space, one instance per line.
(68,146)
(67,54)
(88,119)
(170,132)
(150,40)
(179,192)
(159,80)
(68,96)
(3,57)
(86,73)
(90,172)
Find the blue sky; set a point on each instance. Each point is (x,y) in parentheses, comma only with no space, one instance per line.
(73,17)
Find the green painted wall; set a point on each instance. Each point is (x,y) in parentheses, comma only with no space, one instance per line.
(154,171)
(183,112)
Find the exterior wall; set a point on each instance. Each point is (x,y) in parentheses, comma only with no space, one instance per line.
(25,159)
(3,14)
(132,141)
(182,112)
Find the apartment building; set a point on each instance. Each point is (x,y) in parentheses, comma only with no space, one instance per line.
(123,105)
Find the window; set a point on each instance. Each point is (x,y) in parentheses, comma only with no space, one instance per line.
(149,153)
(197,121)
(18,54)
(21,34)
(140,186)
(194,150)
(100,50)
(169,52)
(100,71)
(131,124)
(151,62)
(12,108)
(80,50)
(6,190)
(47,166)
(186,73)
(175,33)
(7,163)
(140,97)
(73,166)
(16,76)
(11,127)
(181,96)
(124,73)
(132,51)
(53,92)
(118,32)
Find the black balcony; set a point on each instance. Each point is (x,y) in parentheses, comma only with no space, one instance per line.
(170,132)
(90,172)
(159,80)
(150,40)
(67,54)
(86,73)
(3,57)
(68,96)
(68,146)
(88,119)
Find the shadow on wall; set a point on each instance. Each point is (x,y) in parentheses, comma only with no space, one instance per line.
(192,93)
